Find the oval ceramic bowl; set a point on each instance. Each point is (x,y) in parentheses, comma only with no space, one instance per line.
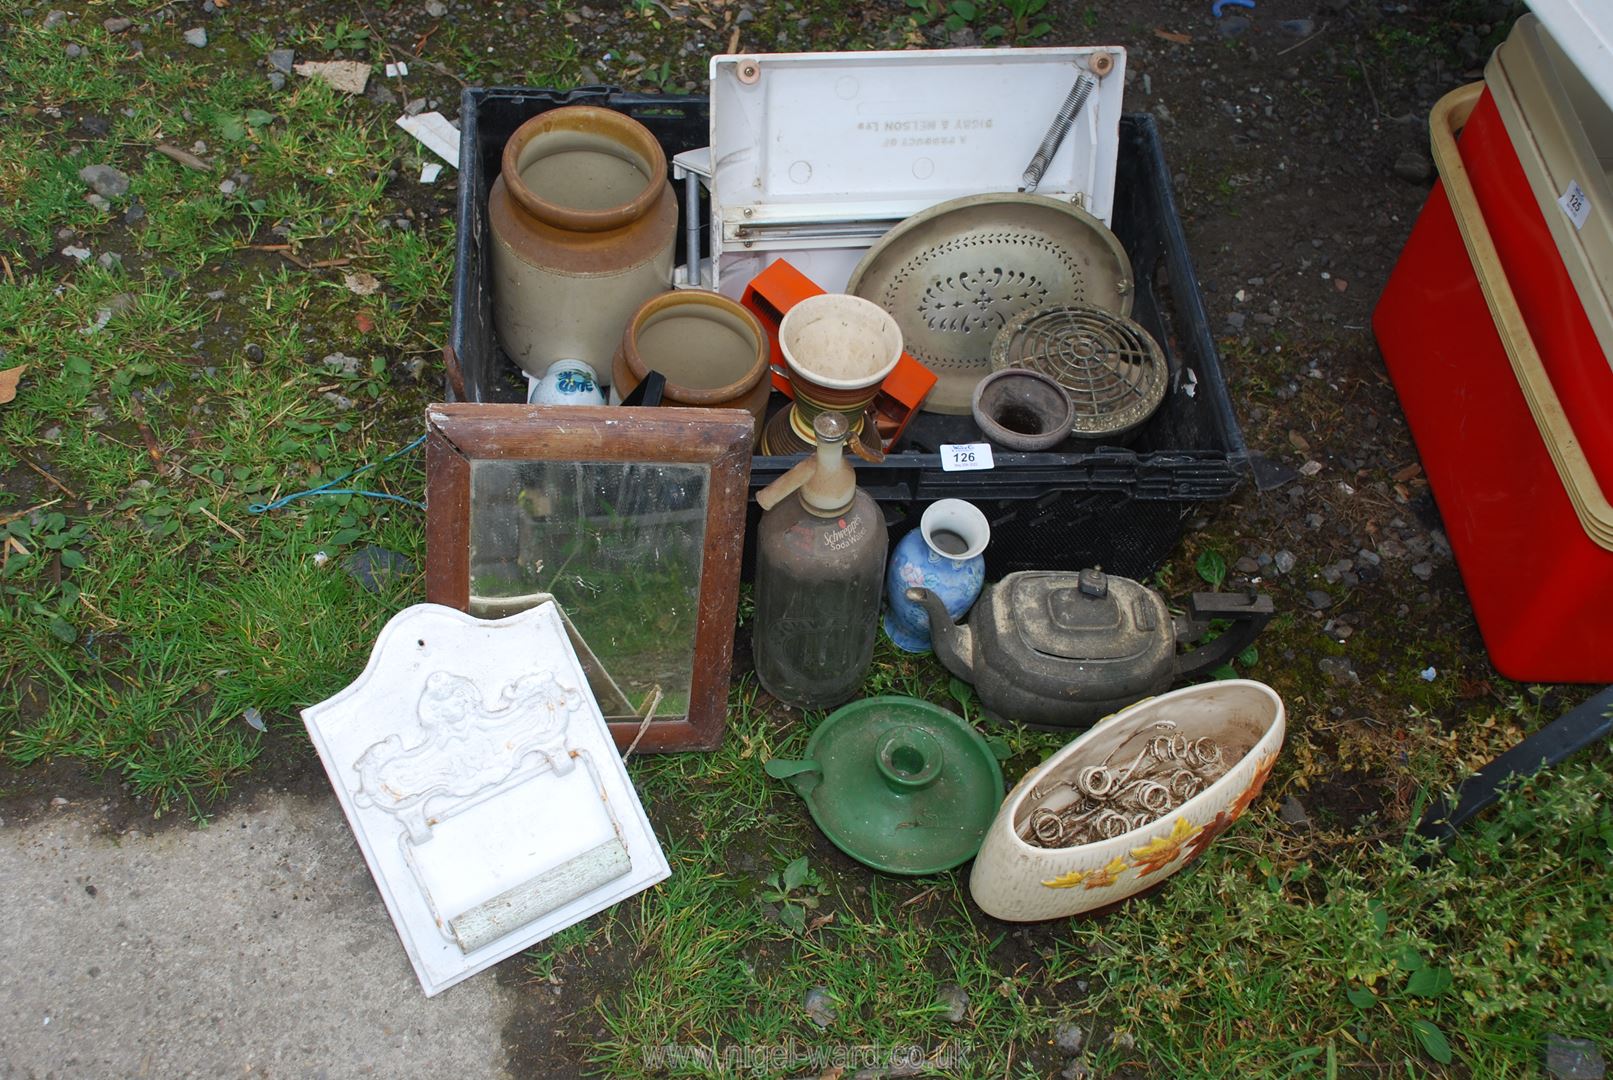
(1021,882)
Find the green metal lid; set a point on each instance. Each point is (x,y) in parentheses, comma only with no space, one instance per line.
(898,784)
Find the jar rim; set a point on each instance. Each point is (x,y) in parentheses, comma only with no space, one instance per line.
(699,303)
(589,119)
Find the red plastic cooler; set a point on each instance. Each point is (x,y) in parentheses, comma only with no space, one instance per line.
(1495,362)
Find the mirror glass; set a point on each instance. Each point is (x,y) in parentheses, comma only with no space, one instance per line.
(618,545)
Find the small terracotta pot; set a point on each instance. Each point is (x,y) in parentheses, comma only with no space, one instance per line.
(1017,880)
(1022,409)
(838,349)
(713,353)
(583,225)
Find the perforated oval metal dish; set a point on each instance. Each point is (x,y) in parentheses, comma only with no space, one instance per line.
(953,276)
(1113,369)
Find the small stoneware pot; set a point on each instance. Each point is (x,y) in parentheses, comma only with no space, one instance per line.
(712,352)
(583,226)
(838,349)
(1022,409)
(945,555)
(1018,880)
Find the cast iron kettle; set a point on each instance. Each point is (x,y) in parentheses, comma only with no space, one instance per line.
(1055,649)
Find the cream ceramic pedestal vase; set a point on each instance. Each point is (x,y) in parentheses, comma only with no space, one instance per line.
(583,224)
(1016,880)
(482,786)
(838,349)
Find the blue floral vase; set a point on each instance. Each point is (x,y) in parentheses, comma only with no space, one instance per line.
(944,555)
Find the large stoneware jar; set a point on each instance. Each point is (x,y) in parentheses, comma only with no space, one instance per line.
(713,353)
(583,224)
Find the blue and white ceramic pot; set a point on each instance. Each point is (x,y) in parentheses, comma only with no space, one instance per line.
(567,382)
(944,555)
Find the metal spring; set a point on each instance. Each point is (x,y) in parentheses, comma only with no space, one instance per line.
(1169,770)
(1077,99)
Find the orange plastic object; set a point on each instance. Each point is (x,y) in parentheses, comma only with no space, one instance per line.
(779,288)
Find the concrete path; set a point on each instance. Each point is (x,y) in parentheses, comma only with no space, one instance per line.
(254,947)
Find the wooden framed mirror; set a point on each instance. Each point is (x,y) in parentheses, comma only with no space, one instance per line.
(632,520)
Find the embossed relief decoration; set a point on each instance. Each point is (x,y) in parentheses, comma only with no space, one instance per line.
(482,786)
(468,748)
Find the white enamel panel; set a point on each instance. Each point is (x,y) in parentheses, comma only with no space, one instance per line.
(482,786)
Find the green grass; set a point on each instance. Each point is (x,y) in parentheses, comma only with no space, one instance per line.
(881,949)
(168,610)
(1267,958)
(1482,953)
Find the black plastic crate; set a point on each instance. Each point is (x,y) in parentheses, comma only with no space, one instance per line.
(1119,507)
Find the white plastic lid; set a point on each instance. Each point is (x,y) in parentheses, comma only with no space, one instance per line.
(798,136)
(1584,28)
(1562,132)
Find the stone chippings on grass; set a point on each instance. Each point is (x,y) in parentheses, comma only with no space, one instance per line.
(176,375)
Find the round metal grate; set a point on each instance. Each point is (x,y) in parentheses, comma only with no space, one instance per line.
(1113,369)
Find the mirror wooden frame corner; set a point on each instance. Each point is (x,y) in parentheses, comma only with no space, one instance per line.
(721,439)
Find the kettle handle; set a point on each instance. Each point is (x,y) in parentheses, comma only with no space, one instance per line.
(1248,612)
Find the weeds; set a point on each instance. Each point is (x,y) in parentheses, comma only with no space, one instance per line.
(341,35)
(1023,21)
(1471,960)
(1005,21)
(796,890)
